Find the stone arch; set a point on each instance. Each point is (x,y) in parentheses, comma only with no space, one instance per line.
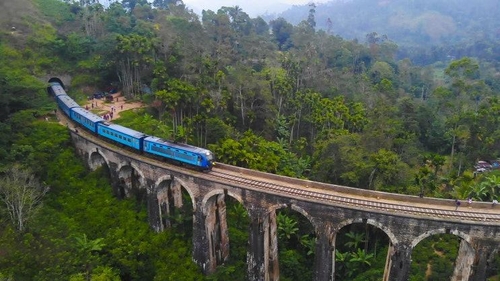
(163,179)
(214,210)
(275,207)
(207,197)
(304,213)
(142,179)
(96,159)
(122,172)
(214,192)
(305,224)
(181,183)
(432,232)
(386,230)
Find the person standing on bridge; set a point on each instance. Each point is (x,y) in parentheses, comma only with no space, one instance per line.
(457,203)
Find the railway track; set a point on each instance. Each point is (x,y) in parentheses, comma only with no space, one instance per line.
(333,198)
(320,195)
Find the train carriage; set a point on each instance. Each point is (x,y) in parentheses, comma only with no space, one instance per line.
(198,157)
(66,103)
(120,134)
(86,118)
(56,89)
(183,153)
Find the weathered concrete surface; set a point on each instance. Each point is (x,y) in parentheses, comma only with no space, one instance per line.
(463,264)
(161,185)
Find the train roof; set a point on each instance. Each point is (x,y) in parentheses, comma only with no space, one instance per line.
(179,145)
(89,115)
(68,101)
(57,89)
(56,80)
(124,130)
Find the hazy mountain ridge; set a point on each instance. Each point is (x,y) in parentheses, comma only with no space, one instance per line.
(407,22)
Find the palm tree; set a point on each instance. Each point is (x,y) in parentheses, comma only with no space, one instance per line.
(341,260)
(286,226)
(86,248)
(356,239)
(361,257)
(309,243)
(479,191)
(491,184)
(240,215)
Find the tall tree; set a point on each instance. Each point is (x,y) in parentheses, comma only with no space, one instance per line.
(311,21)
(282,31)
(22,193)
(133,61)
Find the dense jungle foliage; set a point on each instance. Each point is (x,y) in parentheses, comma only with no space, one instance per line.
(425,31)
(293,101)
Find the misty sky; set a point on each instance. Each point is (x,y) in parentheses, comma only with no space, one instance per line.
(251,7)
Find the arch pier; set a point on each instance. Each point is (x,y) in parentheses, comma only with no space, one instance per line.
(162,187)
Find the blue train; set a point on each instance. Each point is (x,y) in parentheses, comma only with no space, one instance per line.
(184,154)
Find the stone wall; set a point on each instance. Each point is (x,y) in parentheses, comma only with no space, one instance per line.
(134,174)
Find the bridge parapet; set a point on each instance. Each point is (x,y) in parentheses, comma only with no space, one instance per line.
(159,182)
(373,194)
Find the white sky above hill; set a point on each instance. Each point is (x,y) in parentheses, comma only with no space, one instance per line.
(251,7)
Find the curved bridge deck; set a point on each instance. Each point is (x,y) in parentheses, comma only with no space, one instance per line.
(330,194)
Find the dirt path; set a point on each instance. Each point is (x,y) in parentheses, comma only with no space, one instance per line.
(102,107)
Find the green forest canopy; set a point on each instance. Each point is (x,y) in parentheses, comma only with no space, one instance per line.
(271,96)
(328,109)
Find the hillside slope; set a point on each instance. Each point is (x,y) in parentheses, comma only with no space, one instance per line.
(407,22)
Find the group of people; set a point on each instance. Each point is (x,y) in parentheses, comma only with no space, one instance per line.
(469,202)
(92,104)
(107,116)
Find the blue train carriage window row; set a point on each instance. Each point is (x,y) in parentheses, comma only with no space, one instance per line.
(184,153)
(166,149)
(121,134)
(86,118)
(205,156)
(66,103)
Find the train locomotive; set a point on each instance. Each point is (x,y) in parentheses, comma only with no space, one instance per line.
(183,154)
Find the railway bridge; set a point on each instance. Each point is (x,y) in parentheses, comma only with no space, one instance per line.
(406,220)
